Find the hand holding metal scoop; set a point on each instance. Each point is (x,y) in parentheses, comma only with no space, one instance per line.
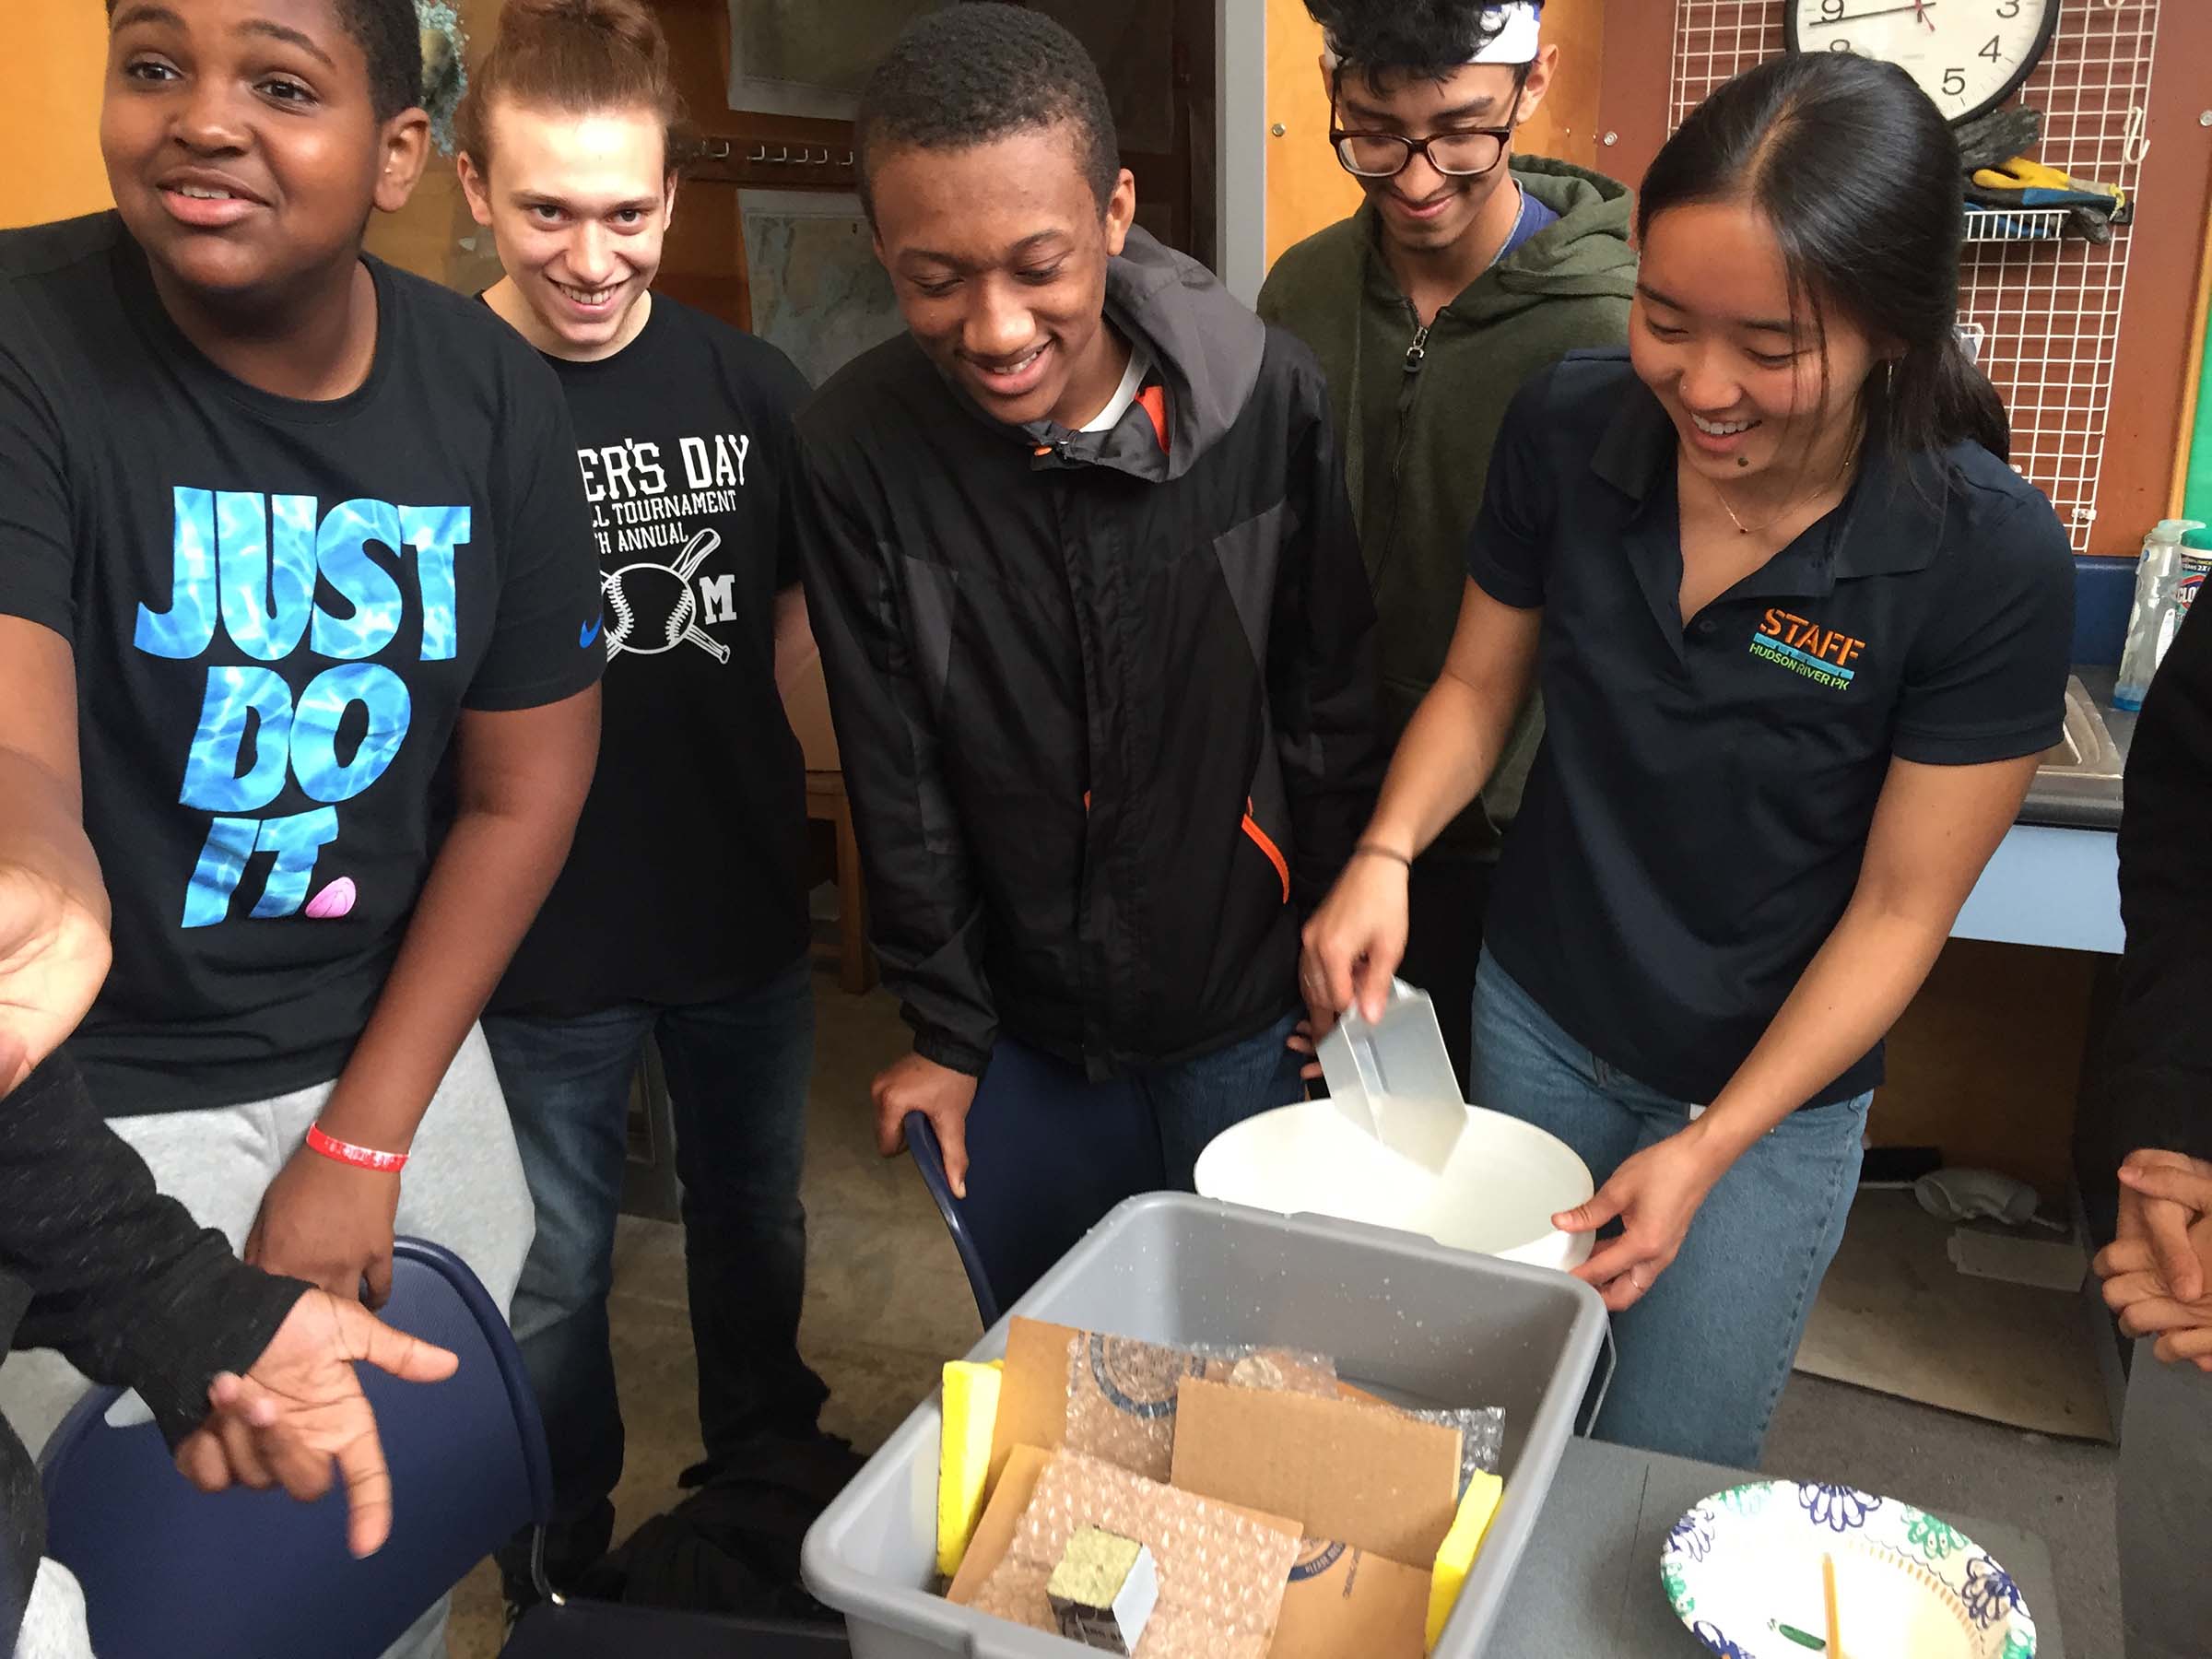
(1395,1079)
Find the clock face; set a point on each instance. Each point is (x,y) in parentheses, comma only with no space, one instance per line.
(1968,55)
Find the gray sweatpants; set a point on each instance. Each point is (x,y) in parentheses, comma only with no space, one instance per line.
(462,1188)
(2166,1510)
(53,1624)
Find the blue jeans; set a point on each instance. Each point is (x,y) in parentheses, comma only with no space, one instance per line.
(738,1071)
(1050,1152)
(1705,1353)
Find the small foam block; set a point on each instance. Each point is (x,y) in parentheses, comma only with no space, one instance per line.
(1455,1557)
(1104,1591)
(964,1455)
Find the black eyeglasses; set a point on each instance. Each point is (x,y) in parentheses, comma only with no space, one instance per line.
(1463,154)
(1467,154)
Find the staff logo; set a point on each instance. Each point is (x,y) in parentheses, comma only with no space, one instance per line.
(1803,646)
(651,608)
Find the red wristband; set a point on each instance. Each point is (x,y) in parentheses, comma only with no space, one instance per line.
(360,1157)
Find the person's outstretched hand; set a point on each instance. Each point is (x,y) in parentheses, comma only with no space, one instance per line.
(299,1407)
(939,1094)
(54,955)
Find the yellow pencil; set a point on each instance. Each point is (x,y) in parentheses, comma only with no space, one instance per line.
(1828,1591)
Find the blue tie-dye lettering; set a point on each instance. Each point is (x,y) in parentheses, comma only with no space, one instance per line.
(315,729)
(434,533)
(267,595)
(341,550)
(296,841)
(212,781)
(215,877)
(185,629)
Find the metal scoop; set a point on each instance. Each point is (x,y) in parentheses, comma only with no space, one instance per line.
(1395,1079)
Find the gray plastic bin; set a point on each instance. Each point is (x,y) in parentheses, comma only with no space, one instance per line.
(1402,1316)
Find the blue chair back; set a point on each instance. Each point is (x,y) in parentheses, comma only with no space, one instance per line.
(1049,1154)
(173,1572)
(929,1158)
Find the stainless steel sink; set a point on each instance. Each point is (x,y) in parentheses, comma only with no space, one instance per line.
(2086,749)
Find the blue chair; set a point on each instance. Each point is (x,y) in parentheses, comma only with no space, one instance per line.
(173,1572)
(929,1158)
(1049,1154)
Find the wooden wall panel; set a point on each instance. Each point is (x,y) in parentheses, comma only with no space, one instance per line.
(49,87)
(1986,1062)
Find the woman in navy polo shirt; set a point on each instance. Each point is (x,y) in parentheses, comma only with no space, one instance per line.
(1801,634)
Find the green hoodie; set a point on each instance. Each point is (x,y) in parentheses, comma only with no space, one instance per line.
(1418,444)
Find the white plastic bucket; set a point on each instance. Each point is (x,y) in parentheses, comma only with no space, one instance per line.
(1505,1180)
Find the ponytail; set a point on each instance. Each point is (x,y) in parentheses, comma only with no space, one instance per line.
(576,56)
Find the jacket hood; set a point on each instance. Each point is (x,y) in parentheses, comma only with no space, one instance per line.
(1586,256)
(1206,347)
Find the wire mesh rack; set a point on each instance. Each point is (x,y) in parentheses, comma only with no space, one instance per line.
(2047,304)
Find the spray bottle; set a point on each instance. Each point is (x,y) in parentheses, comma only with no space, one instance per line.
(2167,580)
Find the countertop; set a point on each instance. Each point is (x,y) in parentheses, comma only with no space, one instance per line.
(1589,1583)
(2067,802)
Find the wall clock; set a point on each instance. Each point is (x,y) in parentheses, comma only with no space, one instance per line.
(1968,55)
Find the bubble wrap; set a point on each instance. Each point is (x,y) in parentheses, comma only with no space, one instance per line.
(1221,1574)
(1121,1392)
(1481,1438)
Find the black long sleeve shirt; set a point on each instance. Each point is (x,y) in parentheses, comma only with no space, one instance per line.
(97,1263)
(2162,1044)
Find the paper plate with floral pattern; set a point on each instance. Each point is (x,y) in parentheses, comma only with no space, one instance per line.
(1743,1571)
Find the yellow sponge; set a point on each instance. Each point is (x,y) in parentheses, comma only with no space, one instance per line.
(1455,1557)
(964,1455)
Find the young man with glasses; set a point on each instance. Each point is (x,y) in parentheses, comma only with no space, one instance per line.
(1468,268)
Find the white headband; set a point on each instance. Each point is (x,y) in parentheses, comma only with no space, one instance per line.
(1520,34)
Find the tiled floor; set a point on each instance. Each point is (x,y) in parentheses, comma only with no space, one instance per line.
(887,1303)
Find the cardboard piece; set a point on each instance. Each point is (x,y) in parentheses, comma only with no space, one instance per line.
(1339,1600)
(1222,1574)
(1114,1397)
(1378,1480)
(994,1532)
(1343,1600)
(1032,1401)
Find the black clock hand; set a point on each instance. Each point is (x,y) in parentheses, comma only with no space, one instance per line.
(1927,6)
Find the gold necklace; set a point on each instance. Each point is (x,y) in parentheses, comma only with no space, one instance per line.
(1743,529)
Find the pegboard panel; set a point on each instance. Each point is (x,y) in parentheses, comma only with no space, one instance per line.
(2049,310)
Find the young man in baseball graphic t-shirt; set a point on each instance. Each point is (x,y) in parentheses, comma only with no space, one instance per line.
(681,915)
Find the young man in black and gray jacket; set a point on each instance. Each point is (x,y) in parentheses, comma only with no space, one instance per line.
(2158,1274)
(1098,640)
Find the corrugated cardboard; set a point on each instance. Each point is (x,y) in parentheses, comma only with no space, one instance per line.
(1376,1479)
(1032,1400)
(994,1532)
(1339,1600)
(1222,1572)
(1343,1602)
(1052,1381)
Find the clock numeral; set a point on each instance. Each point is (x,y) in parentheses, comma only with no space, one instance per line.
(2008,9)
(1838,45)
(1994,51)
(1831,11)
(1954,83)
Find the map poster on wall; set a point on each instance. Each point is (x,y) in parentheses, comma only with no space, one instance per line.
(816,290)
(811,57)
